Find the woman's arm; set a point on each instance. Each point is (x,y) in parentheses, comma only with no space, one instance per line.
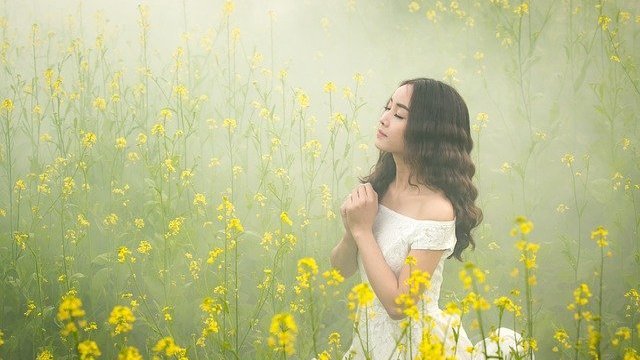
(384,281)
(360,210)
(343,255)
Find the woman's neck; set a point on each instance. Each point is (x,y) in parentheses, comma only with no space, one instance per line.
(401,183)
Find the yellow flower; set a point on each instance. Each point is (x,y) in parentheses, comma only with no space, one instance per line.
(70,307)
(567,159)
(129,353)
(88,350)
(333,277)
(110,220)
(284,218)
(181,91)
(361,295)
(603,21)
(123,254)
(504,303)
(157,129)
(20,185)
(166,113)
(121,143)
(44,355)
(199,199)
(228,7)
(407,304)
(144,247)
(450,75)
(89,140)
(139,223)
(174,226)
(283,331)
(476,301)
(414,7)
(122,319)
(7,104)
(168,346)
(600,236)
(213,255)
(230,124)
(522,9)
(235,225)
(329,87)
(302,98)
(142,138)
(99,103)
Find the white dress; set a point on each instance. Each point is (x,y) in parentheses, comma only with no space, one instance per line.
(396,234)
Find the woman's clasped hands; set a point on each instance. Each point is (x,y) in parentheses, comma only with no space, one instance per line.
(359,211)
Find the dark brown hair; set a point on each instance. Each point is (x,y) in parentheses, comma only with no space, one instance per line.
(438,146)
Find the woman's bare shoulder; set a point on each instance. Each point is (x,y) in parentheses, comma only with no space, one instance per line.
(436,206)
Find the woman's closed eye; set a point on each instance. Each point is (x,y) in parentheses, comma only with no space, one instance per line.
(387,108)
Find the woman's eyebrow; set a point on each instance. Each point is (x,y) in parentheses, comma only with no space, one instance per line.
(399,104)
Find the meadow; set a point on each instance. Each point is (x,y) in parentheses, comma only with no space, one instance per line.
(171,172)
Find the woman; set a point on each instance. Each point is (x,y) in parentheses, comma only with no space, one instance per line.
(418,201)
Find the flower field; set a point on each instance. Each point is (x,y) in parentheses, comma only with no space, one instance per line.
(171,172)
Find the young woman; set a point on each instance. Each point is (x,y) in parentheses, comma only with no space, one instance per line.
(418,201)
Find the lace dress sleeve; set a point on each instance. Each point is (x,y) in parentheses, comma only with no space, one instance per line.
(434,236)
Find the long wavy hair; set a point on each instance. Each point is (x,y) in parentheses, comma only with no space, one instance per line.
(438,144)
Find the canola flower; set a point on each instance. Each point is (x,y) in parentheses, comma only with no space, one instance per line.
(167,346)
(283,331)
(130,353)
(71,313)
(122,319)
(88,350)
(45,355)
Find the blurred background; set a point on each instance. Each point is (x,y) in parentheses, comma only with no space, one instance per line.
(166,164)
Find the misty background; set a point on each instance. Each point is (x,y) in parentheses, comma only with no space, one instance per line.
(552,91)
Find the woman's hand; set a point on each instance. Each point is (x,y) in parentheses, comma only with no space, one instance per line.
(359,210)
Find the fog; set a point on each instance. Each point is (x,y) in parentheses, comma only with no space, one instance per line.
(125,124)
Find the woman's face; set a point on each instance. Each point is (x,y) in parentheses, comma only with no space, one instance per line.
(393,121)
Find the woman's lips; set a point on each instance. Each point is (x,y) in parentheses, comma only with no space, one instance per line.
(380,134)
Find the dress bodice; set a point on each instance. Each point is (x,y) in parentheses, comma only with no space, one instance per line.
(397,234)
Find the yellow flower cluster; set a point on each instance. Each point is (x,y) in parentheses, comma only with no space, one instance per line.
(284,218)
(430,348)
(122,319)
(174,226)
(124,254)
(100,103)
(469,273)
(307,269)
(89,139)
(88,350)
(361,295)
(7,105)
(283,331)
(69,311)
(562,337)
(129,353)
(505,303)
(581,297)
(475,301)
(144,247)
(167,346)
(600,236)
(211,309)
(333,277)
(523,226)
(43,355)
(302,98)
